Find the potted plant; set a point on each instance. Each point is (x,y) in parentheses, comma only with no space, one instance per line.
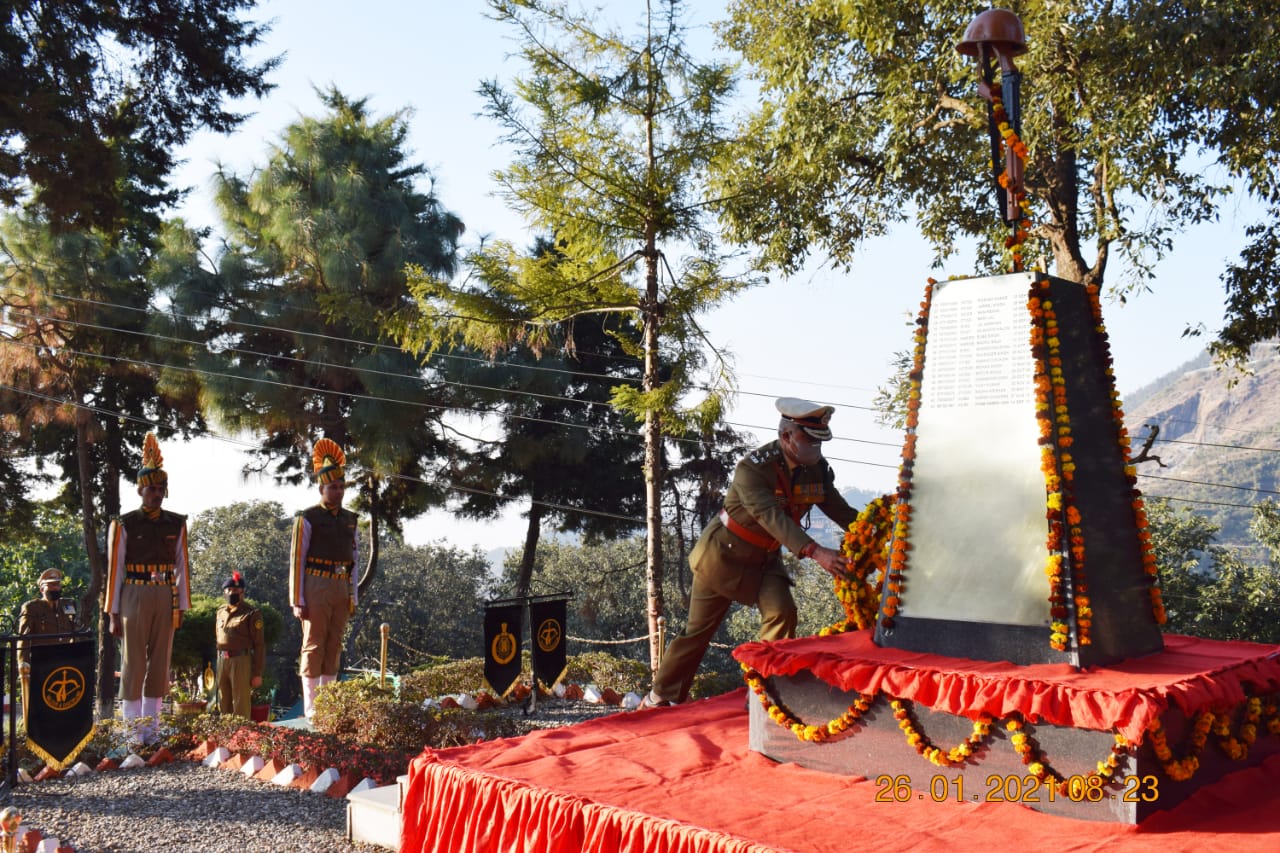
(187,698)
(261,699)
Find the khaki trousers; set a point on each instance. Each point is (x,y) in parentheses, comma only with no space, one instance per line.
(707,610)
(328,606)
(146,616)
(234,675)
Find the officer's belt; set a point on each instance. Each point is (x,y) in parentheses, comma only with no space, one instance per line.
(747,535)
(148,575)
(339,570)
(224,653)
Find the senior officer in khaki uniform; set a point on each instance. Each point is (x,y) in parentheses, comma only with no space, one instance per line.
(48,614)
(738,558)
(242,652)
(148,588)
(322,572)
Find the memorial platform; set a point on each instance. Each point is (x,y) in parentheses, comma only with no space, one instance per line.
(684,780)
(1071,718)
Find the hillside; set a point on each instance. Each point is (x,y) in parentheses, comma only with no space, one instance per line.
(1219,438)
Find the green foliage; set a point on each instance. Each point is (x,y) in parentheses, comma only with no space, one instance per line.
(96,90)
(1212,591)
(314,268)
(362,712)
(606,671)
(348,708)
(53,541)
(1138,116)
(432,596)
(439,679)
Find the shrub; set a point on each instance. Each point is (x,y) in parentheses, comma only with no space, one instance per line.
(714,683)
(606,671)
(455,676)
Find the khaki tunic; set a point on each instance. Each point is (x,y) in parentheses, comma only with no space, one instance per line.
(322,578)
(242,656)
(44,617)
(147,587)
(770,503)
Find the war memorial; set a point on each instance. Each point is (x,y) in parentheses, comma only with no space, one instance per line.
(1001,678)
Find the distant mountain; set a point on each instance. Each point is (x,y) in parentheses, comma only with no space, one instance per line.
(824,530)
(1219,438)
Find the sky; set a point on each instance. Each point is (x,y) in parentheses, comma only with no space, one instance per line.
(824,335)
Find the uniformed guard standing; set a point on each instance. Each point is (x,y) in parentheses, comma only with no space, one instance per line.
(242,652)
(322,572)
(48,614)
(148,588)
(738,558)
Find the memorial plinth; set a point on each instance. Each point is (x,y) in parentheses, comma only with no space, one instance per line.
(1016,654)
(1071,717)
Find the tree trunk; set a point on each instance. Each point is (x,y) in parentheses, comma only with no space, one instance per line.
(371,567)
(652,463)
(96,594)
(532,534)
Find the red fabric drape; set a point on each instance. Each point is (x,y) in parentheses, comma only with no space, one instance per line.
(1190,673)
(682,780)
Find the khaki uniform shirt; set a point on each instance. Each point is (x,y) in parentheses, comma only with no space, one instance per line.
(44,617)
(240,631)
(770,501)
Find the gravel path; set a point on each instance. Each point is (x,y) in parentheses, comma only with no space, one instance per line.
(186,806)
(183,806)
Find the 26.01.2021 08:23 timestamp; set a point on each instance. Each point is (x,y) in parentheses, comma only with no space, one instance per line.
(1007,788)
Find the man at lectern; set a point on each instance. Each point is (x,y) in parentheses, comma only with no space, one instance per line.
(738,557)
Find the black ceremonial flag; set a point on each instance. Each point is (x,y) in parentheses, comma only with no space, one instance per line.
(546,621)
(60,699)
(503,627)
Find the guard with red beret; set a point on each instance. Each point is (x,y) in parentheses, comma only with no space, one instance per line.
(242,651)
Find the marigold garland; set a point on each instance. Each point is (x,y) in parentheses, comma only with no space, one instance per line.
(1013,143)
(891,597)
(1065,534)
(1149,566)
(803,731)
(954,757)
(866,549)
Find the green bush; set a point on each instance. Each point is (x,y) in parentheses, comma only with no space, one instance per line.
(606,671)
(715,683)
(455,676)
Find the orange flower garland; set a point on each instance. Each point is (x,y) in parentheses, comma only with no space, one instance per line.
(803,731)
(1183,768)
(954,757)
(1058,468)
(1013,143)
(1149,566)
(899,544)
(865,548)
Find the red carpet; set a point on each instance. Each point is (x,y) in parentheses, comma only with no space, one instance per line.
(681,780)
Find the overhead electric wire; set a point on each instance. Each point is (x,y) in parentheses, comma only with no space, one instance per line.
(409,377)
(1215,485)
(208,433)
(414,378)
(378,345)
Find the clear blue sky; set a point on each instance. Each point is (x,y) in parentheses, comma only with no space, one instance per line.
(825,335)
